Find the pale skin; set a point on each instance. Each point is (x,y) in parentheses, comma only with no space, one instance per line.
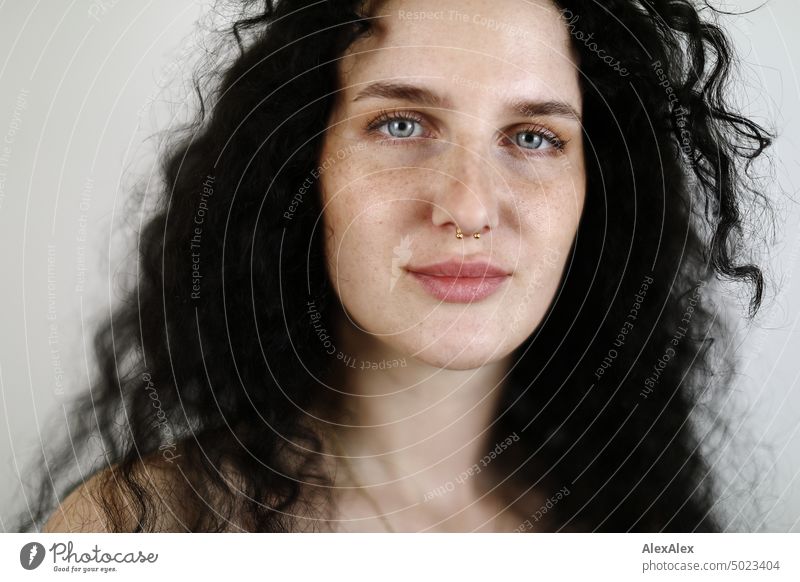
(392,199)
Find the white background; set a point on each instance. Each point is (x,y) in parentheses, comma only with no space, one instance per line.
(76,79)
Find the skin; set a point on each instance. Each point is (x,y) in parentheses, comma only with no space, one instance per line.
(392,199)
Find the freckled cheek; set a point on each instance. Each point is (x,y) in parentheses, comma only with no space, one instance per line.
(554,205)
(549,217)
(385,198)
(374,178)
(353,251)
(361,229)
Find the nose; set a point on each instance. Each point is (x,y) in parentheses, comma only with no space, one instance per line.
(464,197)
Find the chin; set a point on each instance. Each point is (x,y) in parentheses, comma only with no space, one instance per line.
(458,352)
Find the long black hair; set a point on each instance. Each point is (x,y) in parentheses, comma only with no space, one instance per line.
(209,366)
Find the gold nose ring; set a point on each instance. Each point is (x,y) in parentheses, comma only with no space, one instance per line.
(460,234)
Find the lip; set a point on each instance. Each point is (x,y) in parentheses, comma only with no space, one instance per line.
(456,281)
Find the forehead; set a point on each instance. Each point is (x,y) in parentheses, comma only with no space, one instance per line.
(474,47)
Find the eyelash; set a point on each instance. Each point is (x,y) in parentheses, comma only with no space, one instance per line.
(557,143)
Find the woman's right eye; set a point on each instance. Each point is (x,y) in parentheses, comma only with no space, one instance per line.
(402,128)
(399,125)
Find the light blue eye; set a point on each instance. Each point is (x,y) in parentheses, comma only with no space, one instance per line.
(530,140)
(401,127)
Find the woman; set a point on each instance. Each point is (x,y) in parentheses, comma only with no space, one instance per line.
(424,269)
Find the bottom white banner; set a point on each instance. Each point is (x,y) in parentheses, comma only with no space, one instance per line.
(390,557)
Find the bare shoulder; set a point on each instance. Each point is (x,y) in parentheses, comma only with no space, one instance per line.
(89,507)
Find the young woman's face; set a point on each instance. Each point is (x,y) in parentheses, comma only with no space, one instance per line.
(460,115)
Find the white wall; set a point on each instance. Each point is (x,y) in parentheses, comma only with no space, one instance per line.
(75,82)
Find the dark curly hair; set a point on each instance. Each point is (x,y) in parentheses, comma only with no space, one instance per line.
(607,395)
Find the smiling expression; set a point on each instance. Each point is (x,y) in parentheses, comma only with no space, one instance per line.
(463,120)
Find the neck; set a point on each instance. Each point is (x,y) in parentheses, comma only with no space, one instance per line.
(410,423)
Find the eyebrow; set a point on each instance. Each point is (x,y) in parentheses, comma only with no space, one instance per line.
(423,96)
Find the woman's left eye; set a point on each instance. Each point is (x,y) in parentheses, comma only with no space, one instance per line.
(533,141)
